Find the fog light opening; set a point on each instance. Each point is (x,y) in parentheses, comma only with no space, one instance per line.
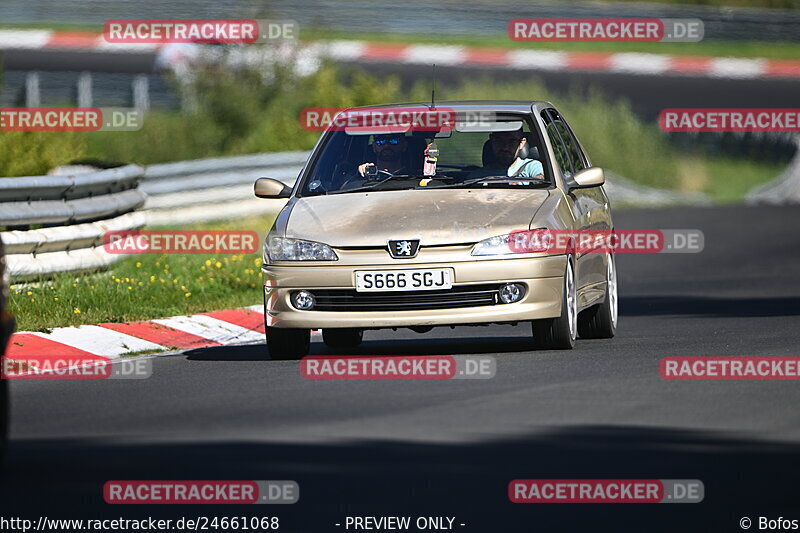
(511,292)
(303,300)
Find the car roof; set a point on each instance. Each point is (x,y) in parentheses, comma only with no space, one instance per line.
(499,106)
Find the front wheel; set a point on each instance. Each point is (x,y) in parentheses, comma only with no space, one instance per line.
(600,321)
(560,333)
(342,338)
(288,344)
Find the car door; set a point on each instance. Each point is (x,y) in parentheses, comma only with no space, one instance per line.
(588,205)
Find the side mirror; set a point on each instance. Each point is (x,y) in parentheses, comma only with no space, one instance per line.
(589,177)
(271,188)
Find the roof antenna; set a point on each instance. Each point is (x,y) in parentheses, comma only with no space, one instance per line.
(433,86)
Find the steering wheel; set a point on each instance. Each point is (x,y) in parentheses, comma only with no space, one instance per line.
(382,174)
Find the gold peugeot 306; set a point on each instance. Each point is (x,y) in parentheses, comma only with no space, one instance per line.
(412,224)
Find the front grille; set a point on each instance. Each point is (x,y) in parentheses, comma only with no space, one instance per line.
(350,300)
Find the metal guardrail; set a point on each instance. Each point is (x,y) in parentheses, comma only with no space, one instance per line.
(79,208)
(211,189)
(71,199)
(785,189)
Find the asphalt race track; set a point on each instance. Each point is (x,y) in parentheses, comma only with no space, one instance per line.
(452,447)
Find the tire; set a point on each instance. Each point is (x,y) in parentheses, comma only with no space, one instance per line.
(600,321)
(560,333)
(342,338)
(288,344)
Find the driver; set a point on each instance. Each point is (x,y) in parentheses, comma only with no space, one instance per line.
(506,146)
(389,150)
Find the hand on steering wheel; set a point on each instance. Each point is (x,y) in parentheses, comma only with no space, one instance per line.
(362,178)
(362,169)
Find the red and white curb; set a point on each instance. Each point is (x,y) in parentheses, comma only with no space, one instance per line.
(451,55)
(551,60)
(109,341)
(67,40)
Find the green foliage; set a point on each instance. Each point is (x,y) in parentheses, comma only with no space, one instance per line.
(258,110)
(28,153)
(609,131)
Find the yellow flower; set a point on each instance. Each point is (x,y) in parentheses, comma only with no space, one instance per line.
(76,311)
(130,288)
(55,299)
(208,262)
(29,293)
(138,264)
(218,265)
(188,294)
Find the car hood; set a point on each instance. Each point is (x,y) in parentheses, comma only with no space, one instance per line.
(448,216)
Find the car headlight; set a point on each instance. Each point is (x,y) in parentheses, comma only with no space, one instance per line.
(283,249)
(516,242)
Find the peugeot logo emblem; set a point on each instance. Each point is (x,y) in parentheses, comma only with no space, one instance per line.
(404,249)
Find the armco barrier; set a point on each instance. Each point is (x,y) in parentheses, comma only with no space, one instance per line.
(70,199)
(76,209)
(785,189)
(219,188)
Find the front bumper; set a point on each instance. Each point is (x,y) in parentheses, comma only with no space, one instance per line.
(542,276)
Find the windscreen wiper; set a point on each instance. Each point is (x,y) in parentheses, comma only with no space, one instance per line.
(473,181)
(374,184)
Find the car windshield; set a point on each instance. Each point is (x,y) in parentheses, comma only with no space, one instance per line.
(484,155)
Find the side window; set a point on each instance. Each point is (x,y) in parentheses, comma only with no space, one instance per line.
(573,151)
(558,146)
(568,152)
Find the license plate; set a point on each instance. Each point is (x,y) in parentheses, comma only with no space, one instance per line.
(404,280)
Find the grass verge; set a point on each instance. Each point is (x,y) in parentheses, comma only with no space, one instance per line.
(145,286)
